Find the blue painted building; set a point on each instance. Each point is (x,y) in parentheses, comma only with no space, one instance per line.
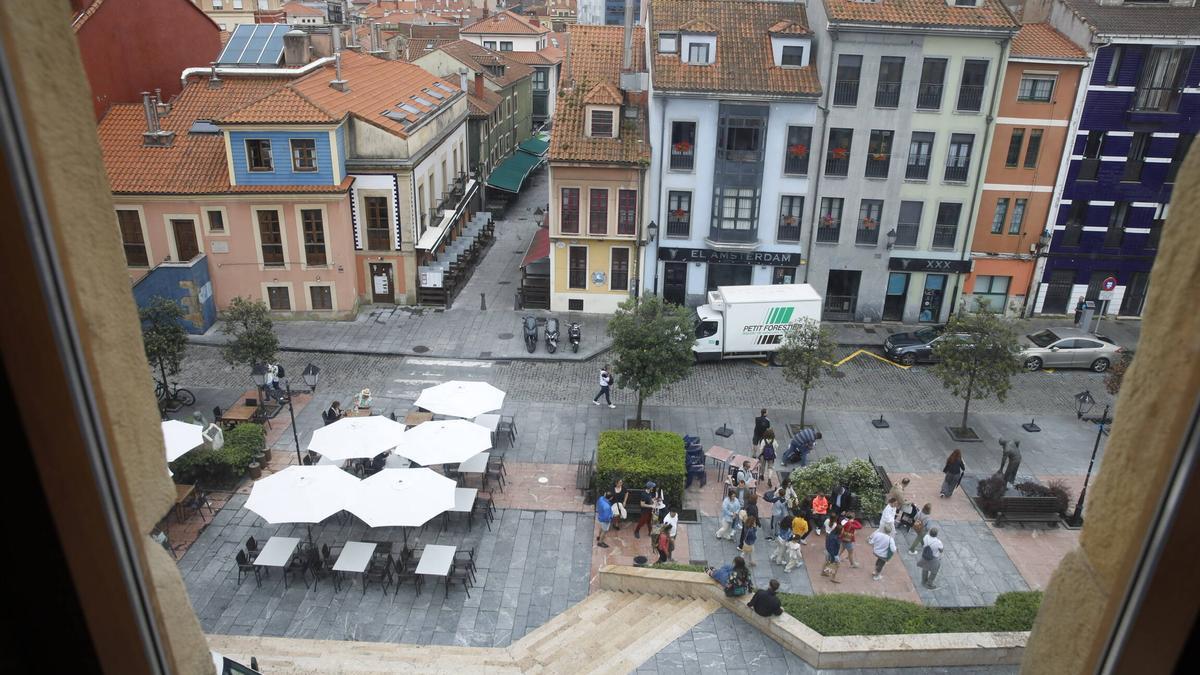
(1134,122)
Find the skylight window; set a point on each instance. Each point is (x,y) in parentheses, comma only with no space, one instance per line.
(443,87)
(409,109)
(204,127)
(434,94)
(425,102)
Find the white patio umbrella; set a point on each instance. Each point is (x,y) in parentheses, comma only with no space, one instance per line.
(443,442)
(302,494)
(181,438)
(458,398)
(401,497)
(356,437)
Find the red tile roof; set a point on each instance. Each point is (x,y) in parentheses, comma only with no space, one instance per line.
(505,23)
(990,14)
(744,61)
(1036,40)
(478,58)
(298,9)
(594,71)
(479,106)
(283,107)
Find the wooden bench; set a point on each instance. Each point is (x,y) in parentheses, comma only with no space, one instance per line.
(1028,510)
(883,475)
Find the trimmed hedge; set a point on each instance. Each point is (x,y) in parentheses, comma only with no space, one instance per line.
(639,456)
(224,467)
(827,473)
(845,614)
(678,567)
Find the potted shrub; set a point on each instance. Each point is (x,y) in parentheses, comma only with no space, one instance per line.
(255,470)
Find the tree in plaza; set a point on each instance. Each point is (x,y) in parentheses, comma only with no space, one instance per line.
(977,357)
(163,336)
(253,341)
(1116,374)
(652,345)
(806,355)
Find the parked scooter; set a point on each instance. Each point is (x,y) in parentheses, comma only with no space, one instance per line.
(552,335)
(574,333)
(531,334)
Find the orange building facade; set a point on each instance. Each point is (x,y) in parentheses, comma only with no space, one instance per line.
(1041,83)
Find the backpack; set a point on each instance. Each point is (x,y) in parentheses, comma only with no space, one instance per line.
(768,451)
(751,536)
(927,552)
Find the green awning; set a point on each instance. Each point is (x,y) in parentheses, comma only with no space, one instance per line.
(512,172)
(535,145)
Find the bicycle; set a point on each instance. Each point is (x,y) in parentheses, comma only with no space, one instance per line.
(174,393)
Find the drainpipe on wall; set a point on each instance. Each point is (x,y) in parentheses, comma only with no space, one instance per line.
(815,191)
(972,215)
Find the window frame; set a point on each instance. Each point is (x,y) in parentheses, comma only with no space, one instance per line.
(958,159)
(612,269)
(925,87)
(693,48)
(627,207)
(296,156)
(1016,143)
(311,286)
(962,83)
(258,150)
(286,288)
(257,213)
(612,128)
(938,224)
(369,217)
(1027,95)
(306,246)
(916,141)
(1017,220)
(568,203)
(141,232)
(999,215)
(790,206)
(1033,149)
(224,215)
(675,199)
(829,219)
(915,225)
(598,211)
(783,56)
(890,62)
(797,164)
(572,270)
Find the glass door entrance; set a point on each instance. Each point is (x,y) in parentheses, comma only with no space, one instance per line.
(931,299)
(675,282)
(897,291)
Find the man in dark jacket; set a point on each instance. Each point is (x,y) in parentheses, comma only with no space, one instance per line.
(761,424)
(766,602)
(841,499)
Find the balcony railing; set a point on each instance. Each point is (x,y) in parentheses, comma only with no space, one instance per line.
(877,165)
(731,235)
(837,166)
(944,236)
(867,234)
(845,92)
(970,97)
(917,171)
(906,234)
(929,96)
(1156,99)
(795,164)
(683,160)
(957,174)
(829,233)
(1089,168)
(887,95)
(789,231)
(678,227)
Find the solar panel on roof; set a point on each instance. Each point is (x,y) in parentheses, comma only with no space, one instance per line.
(423,102)
(254,45)
(433,94)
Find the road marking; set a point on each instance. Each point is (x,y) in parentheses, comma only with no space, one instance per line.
(760,362)
(870,354)
(455,363)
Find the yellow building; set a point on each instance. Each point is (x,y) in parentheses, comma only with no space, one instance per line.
(598,159)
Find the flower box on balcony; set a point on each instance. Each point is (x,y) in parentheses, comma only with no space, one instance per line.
(798,150)
(839,153)
(682,147)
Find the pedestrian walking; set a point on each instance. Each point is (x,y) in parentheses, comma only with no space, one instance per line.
(1079,305)
(778,502)
(730,506)
(671,522)
(783,534)
(620,499)
(931,558)
(766,602)
(761,424)
(749,538)
(954,470)
(833,548)
(800,529)
(849,528)
(664,544)
(603,517)
(883,545)
(802,444)
(767,457)
(920,526)
(749,509)
(648,501)
(605,385)
(820,507)
(888,517)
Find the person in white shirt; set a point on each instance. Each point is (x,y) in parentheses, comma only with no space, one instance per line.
(931,558)
(888,517)
(883,545)
(671,522)
(605,385)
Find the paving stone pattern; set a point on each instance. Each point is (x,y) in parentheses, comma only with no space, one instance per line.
(532,566)
(975,568)
(725,643)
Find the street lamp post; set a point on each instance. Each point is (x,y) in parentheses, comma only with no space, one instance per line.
(311,375)
(1084,402)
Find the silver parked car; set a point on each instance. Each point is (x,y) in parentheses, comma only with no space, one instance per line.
(1068,348)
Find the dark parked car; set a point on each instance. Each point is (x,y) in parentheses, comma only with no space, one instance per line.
(914,347)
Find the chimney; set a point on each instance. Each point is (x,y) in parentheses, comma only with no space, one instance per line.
(376,40)
(335,34)
(478,85)
(162,108)
(627,61)
(338,83)
(154,137)
(214,80)
(295,48)
(462,79)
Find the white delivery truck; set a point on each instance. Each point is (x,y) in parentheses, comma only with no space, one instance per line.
(749,321)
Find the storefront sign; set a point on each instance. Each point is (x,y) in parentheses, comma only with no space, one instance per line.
(708,255)
(929,265)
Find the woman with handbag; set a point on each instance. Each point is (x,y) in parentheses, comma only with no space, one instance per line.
(954,470)
(883,545)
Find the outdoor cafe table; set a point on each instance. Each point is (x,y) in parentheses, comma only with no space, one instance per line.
(436,561)
(464,501)
(414,418)
(277,552)
(358,412)
(182,493)
(490,421)
(476,464)
(355,558)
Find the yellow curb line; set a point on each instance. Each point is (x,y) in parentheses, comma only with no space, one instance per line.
(870,354)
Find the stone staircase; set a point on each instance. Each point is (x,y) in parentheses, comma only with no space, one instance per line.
(608,632)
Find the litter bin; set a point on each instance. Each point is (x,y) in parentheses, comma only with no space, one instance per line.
(1085,316)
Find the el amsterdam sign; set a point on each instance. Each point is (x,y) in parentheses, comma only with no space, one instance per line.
(929,265)
(707,255)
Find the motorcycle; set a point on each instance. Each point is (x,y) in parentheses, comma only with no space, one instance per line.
(531,334)
(574,333)
(551,335)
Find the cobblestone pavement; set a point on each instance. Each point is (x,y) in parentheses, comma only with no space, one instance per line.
(531,566)
(725,643)
(866,384)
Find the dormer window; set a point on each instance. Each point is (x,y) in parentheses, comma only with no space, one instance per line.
(963,3)
(668,43)
(600,123)
(698,53)
(792,56)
